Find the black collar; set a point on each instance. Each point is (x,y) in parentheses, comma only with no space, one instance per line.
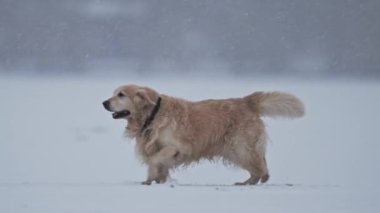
(149,120)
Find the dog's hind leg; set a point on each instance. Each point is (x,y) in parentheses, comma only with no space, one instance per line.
(253,160)
(159,165)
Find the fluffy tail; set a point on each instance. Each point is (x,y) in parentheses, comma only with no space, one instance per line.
(275,104)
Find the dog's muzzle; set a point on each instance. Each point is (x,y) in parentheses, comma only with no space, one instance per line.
(116,115)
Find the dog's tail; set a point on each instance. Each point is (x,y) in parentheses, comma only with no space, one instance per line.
(275,104)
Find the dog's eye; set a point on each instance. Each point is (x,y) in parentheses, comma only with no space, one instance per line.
(120,95)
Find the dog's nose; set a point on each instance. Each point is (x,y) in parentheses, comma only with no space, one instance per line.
(106,105)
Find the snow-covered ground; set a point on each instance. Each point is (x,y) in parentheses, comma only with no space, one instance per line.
(60,151)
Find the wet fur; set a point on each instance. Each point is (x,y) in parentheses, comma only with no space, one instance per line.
(184,132)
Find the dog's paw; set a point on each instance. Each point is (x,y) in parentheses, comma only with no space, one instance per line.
(147,182)
(161,180)
(253,180)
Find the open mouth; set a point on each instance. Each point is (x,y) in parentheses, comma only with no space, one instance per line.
(121,114)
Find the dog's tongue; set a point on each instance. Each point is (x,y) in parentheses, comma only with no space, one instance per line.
(122,114)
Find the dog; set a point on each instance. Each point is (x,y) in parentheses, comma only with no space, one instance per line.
(171,132)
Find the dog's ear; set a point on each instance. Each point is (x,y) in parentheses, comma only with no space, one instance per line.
(143,95)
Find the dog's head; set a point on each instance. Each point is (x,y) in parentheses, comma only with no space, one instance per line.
(131,101)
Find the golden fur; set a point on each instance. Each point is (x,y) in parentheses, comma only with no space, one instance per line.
(184,131)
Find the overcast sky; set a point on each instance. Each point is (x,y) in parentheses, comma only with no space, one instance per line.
(293,37)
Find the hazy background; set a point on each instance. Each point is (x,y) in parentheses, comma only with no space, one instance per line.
(298,38)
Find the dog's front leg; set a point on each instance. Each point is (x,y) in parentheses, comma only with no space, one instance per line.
(151,147)
(160,163)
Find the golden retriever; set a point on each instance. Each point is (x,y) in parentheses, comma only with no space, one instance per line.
(170,132)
